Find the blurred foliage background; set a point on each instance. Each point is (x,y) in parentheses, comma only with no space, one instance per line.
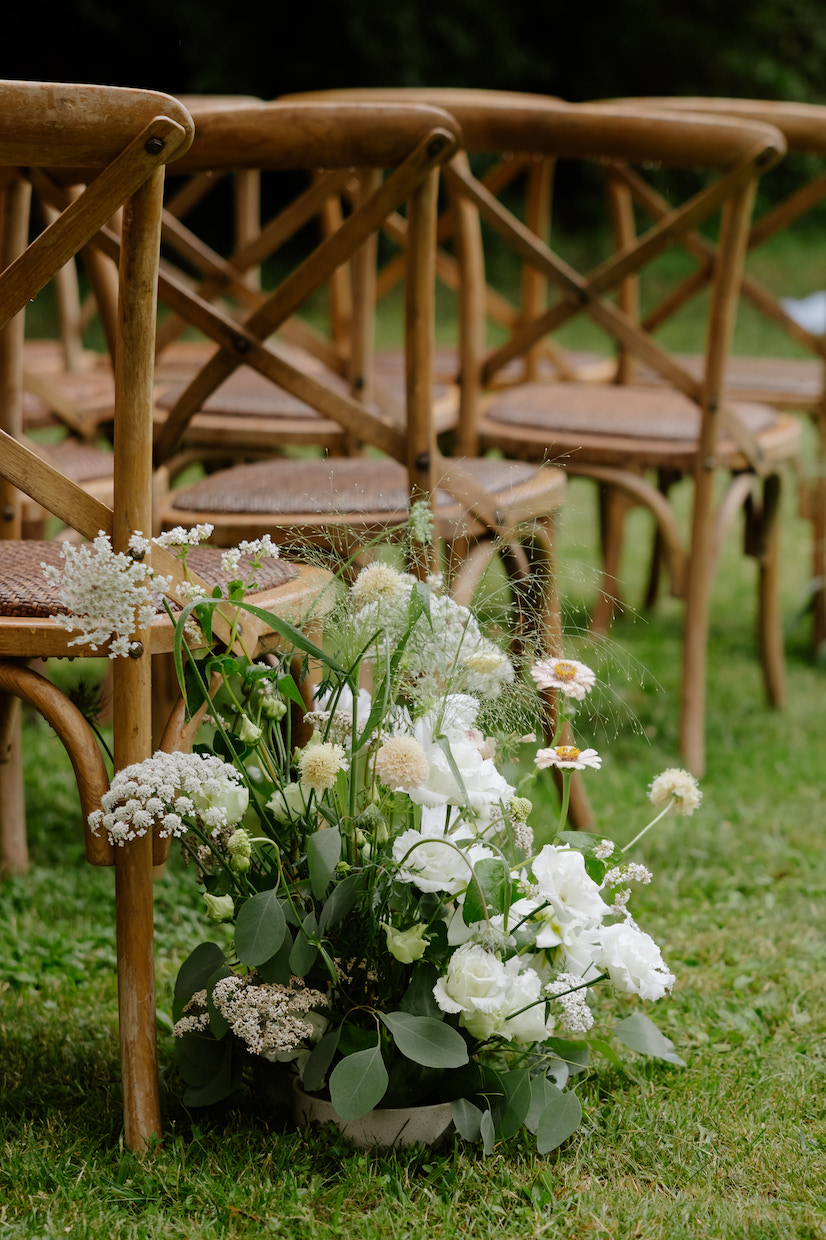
(767,48)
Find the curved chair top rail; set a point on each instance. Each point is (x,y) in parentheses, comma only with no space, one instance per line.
(312,135)
(77,126)
(803,125)
(498,121)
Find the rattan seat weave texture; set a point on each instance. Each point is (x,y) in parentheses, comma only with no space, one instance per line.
(24,590)
(349,485)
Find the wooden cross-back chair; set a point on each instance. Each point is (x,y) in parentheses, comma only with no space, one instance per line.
(113,144)
(344,504)
(790,383)
(616,433)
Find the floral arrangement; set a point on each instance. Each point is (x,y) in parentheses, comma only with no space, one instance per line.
(399,935)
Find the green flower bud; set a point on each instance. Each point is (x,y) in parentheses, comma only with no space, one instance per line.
(219,908)
(406,946)
(273,707)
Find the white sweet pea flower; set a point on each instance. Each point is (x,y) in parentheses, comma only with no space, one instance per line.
(633,961)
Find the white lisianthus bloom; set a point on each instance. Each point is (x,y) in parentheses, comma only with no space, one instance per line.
(335,708)
(223,795)
(219,908)
(524,992)
(432,859)
(482,787)
(249,732)
(290,803)
(572,895)
(633,961)
(475,985)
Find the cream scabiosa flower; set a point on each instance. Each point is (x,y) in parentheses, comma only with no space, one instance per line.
(320,764)
(401,763)
(676,787)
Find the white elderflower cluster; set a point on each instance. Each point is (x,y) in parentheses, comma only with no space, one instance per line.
(105,593)
(336,724)
(571,995)
(272,1020)
(164,791)
(195,1017)
(676,788)
(182,537)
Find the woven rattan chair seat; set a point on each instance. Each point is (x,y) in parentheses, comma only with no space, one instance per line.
(82,462)
(793,382)
(25,592)
(351,484)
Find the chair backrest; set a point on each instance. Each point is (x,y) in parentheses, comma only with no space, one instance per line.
(410,143)
(804,128)
(115,143)
(737,152)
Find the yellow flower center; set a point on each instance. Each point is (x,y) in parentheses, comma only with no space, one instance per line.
(565,671)
(567,753)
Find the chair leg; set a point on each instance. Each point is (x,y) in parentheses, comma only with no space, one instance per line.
(769,621)
(695,625)
(14,851)
(612,508)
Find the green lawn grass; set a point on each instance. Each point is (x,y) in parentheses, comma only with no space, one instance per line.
(732,1146)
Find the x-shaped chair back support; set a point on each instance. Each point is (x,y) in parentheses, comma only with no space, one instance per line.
(412,142)
(739,153)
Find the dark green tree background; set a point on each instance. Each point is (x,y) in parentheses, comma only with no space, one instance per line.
(580,50)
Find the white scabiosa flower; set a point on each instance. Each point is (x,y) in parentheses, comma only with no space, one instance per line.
(320,764)
(401,763)
(677,788)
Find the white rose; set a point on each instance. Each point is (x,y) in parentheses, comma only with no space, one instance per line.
(475,986)
(225,794)
(634,962)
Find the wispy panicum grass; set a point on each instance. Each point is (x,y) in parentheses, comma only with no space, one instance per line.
(731,1147)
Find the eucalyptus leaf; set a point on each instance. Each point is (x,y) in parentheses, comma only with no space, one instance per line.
(340,901)
(467,1118)
(642,1035)
(488,1129)
(419,999)
(198,1058)
(318,1065)
(323,855)
(517,1102)
(491,875)
(277,968)
(425,1040)
(305,952)
(358,1083)
(574,1054)
(560,1118)
(225,1082)
(260,928)
(194,974)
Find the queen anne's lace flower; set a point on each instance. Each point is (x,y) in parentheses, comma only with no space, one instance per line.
(272,1020)
(678,788)
(105,594)
(161,791)
(182,537)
